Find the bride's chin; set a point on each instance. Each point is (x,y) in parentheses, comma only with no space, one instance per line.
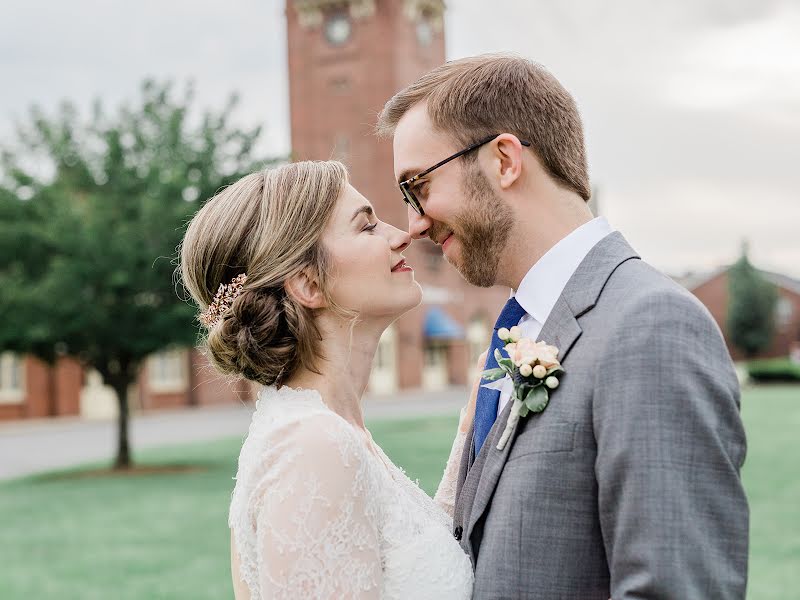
(408,301)
(417,295)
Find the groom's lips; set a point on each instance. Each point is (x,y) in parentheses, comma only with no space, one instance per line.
(446,241)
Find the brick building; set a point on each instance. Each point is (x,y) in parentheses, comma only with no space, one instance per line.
(712,290)
(30,388)
(346,58)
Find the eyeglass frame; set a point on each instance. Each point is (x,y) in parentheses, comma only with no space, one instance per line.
(405,186)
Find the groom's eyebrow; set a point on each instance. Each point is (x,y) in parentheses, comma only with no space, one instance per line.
(406,175)
(363,209)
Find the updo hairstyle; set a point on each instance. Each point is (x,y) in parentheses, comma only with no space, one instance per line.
(267,225)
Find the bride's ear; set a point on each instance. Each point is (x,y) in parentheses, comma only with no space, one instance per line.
(304,288)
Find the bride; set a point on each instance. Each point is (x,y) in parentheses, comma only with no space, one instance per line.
(297,278)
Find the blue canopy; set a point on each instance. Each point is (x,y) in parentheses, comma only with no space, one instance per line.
(441,326)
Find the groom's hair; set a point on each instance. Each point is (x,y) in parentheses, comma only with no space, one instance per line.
(472,98)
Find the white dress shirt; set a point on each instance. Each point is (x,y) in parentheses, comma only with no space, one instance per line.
(543,284)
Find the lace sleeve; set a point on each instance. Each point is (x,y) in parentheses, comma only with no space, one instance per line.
(316,516)
(445,495)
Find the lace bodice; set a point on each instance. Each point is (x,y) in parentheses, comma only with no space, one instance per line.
(319,511)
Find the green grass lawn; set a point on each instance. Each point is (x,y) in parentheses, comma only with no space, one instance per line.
(771,477)
(165,535)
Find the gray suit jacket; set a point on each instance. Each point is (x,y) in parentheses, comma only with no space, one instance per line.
(627,485)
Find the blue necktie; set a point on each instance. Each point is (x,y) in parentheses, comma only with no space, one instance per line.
(486,403)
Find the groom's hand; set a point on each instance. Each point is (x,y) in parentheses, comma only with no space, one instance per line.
(469,409)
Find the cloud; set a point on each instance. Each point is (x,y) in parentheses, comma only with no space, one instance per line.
(751,65)
(691,108)
(696,224)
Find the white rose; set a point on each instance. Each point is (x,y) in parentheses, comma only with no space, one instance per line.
(502,333)
(551,382)
(515,333)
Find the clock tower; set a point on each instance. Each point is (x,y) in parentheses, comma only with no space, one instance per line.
(346,59)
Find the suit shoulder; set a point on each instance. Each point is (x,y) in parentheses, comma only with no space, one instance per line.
(638,289)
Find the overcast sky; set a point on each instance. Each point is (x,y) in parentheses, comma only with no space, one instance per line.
(691,109)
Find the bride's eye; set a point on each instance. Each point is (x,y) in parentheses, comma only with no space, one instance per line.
(370,227)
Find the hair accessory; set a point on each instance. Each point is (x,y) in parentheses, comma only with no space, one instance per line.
(222,301)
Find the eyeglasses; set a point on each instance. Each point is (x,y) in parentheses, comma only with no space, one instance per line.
(406,186)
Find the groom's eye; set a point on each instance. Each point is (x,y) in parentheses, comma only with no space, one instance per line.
(421,189)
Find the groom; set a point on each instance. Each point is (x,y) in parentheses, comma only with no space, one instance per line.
(627,485)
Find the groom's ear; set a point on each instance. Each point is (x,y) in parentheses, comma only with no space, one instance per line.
(506,160)
(305,289)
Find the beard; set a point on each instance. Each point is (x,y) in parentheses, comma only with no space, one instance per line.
(483,230)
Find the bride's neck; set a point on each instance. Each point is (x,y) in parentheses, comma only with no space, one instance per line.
(347,352)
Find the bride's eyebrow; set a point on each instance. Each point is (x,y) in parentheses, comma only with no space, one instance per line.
(363,209)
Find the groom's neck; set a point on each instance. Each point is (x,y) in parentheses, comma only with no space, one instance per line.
(540,223)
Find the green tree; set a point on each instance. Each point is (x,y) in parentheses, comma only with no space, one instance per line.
(91,214)
(751,307)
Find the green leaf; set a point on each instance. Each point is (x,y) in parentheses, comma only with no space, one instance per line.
(557,371)
(523,411)
(493,374)
(506,363)
(537,399)
(522,391)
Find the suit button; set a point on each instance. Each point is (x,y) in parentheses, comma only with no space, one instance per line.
(458,532)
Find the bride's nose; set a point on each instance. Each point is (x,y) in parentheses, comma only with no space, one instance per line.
(399,240)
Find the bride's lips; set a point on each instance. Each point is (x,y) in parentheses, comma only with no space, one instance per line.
(401,267)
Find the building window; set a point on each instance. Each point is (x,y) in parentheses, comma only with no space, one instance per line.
(434,371)
(167,370)
(784,311)
(383,377)
(478,340)
(12,378)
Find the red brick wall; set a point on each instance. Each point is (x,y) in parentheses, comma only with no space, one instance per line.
(68,383)
(37,388)
(789,333)
(10,412)
(714,294)
(211,387)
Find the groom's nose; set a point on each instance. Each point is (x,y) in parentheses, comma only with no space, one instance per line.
(418,225)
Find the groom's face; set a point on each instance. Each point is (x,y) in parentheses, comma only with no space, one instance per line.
(463,213)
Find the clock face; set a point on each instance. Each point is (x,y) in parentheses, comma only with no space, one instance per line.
(338,29)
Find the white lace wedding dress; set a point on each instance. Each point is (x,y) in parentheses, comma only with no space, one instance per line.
(319,511)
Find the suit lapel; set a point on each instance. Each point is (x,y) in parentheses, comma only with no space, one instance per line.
(463,472)
(561,330)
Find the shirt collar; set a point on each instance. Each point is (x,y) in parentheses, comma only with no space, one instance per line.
(545,281)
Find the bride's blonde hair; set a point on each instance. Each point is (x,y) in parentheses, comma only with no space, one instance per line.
(267,225)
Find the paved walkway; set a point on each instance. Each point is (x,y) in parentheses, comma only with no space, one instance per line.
(32,446)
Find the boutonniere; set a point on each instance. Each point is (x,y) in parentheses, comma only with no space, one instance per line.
(535,371)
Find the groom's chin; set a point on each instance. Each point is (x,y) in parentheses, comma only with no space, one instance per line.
(477,275)
(475,270)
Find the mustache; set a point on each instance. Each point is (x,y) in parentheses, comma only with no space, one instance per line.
(437,232)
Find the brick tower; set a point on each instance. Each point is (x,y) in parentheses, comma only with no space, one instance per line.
(346,59)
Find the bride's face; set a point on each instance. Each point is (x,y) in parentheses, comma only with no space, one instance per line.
(369,274)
